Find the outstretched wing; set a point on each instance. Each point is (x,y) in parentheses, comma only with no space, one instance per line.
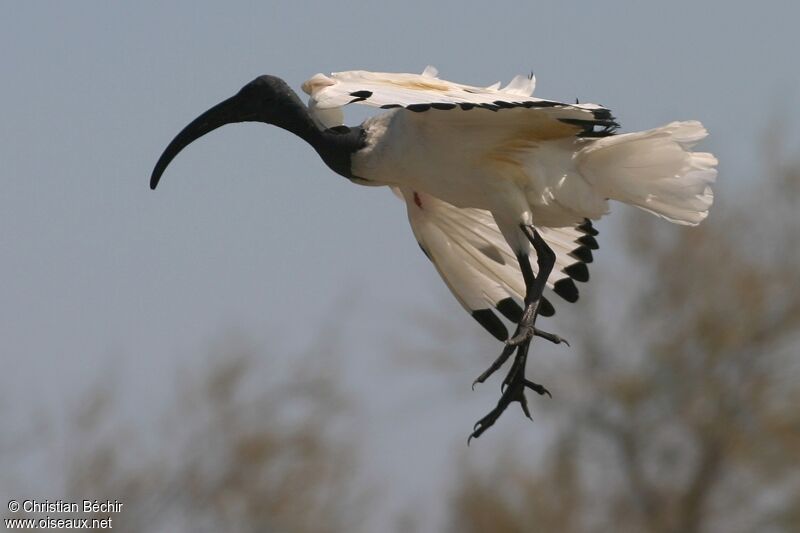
(478,266)
(424,92)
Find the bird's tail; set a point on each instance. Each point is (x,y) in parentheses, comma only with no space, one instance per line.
(654,170)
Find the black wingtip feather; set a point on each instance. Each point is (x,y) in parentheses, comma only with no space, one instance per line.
(510,309)
(607,126)
(603,114)
(359,96)
(587,228)
(589,242)
(424,251)
(546,308)
(566,289)
(582,253)
(493,325)
(578,272)
(542,103)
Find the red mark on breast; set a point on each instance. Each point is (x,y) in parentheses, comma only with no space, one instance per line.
(417,200)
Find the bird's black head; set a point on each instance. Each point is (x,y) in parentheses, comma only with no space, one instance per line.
(265,99)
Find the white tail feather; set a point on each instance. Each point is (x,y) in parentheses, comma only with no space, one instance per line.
(654,170)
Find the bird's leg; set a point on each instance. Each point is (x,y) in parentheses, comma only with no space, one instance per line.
(534,286)
(546,259)
(515,382)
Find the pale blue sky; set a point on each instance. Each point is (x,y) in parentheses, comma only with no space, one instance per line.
(248,228)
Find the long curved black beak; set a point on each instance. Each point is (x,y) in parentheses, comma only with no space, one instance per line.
(270,100)
(227,112)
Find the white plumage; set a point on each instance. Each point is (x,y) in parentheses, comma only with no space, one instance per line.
(483,160)
(654,170)
(488,174)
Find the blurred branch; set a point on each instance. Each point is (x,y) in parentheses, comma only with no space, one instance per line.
(233,455)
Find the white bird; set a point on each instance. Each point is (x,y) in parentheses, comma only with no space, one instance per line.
(491,177)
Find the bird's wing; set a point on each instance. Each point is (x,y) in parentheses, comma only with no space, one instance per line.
(425,92)
(478,266)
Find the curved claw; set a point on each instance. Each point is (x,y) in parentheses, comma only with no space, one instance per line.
(477,431)
(552,337)
(541,389)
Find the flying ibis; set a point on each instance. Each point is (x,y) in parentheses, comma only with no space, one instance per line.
(500,187)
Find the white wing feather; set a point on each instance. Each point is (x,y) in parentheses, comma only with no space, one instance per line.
(421,92)
(477,264)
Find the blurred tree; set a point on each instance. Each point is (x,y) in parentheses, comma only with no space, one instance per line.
(683,414)
(231,455)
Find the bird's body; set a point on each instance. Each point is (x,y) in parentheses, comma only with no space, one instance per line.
(486,174)
(524,159)
(475,168)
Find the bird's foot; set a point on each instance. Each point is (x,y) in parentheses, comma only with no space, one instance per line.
(523,334)
(532,331)
(514,384)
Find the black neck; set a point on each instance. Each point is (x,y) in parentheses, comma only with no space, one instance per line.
(334,145)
